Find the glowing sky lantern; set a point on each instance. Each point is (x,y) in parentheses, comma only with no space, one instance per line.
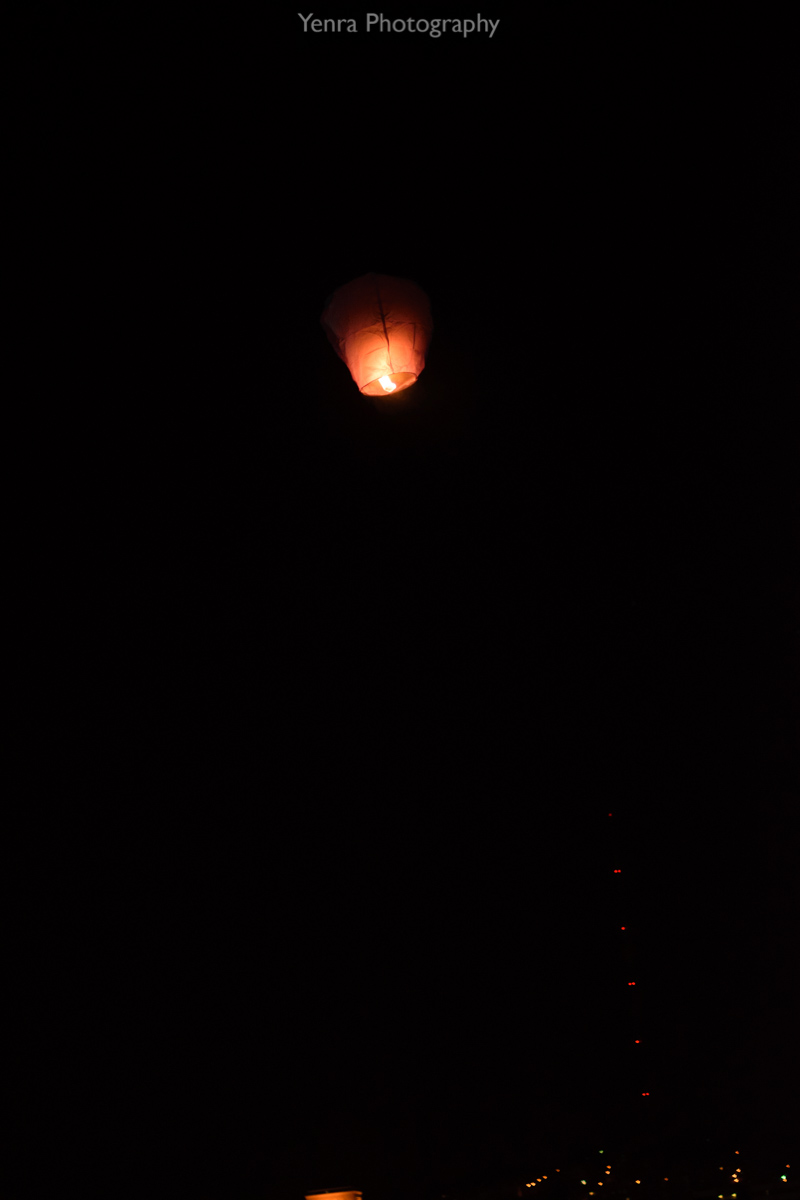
(381,327)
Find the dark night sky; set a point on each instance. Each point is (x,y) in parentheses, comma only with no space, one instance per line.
(322,879)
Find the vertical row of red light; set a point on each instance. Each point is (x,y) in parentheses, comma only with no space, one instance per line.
(634,1033)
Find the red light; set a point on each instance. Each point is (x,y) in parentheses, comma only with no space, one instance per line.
(622,926)
(637,1041)
(617,870)
(633,984)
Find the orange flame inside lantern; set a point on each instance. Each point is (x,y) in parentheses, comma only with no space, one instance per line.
(380,326)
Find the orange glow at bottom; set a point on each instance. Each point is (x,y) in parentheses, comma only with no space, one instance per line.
(334,1196)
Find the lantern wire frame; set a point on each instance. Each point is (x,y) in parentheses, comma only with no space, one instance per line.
(401,381)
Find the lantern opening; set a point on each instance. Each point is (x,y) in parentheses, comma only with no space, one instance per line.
(397,383)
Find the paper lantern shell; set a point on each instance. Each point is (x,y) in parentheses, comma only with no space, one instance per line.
(380,327)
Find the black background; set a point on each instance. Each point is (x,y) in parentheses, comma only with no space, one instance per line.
(330,705)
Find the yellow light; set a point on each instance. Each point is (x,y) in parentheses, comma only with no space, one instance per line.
(387,384)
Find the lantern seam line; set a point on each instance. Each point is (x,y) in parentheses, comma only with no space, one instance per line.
(383,322)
